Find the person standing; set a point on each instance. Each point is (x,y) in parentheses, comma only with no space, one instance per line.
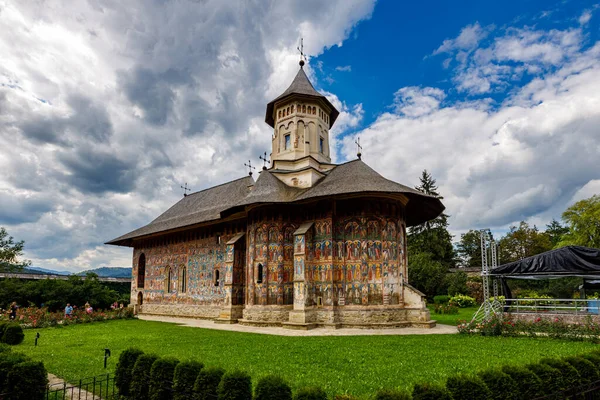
(68,310)
(13,310)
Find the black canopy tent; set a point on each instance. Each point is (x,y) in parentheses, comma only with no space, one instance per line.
(569,261)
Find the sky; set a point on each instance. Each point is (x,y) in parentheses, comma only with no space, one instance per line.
(108,107)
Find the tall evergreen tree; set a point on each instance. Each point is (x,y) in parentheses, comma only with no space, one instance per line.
(432,236)
(556,231)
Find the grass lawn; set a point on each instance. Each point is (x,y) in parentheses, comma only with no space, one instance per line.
(452,319)
(358,365)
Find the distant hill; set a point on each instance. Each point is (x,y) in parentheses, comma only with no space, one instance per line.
(40,270)
(109,272)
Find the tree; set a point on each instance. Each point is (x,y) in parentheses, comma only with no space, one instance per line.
(432,236)
(469,249)
(522,242)
(10,253)
(555,232)
(427,275)
(583,220)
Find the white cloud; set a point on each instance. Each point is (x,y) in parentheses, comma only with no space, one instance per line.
(468,39)
(585,17)
(106,109)
(345,68)
(530,158)
(414,101)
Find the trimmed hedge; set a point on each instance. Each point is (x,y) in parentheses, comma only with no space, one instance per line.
(207,383)
(441,299)
(184,378)
(5,348)
(587,370)
(7,363)
(310,393)
(500,384)
(467,387)
(527,384)
(430,391)
(552,379)
(13,334)
(570,376)
(140,377)
(161,378)
(235,385)
(27,381)
(272,387)
(392,395)
(127,360)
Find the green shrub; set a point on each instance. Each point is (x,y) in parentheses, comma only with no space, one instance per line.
(527,384)
(27,381)
(13,334)
(441,299)
(127,360)
(310,393)
(500,384)
(344,397)
(184,378)
(392,395)
(161,378)
(587,370)
(552,379)
(430,391)
(571,378)
(140,377)
(272,387)
(467,387)
(462,301)
(207,382)
(3,325)
(5,348)
(594,359)
(7,362)
(235,385)
(445,309)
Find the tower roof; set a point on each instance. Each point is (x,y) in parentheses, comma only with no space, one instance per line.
(300,86)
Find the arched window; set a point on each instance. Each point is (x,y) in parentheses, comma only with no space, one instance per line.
(321,145)
(141,271)
(288,111)
(292,108)
(304,108)
(279,114)
(183,279)
(314,110)
(260,274)
(217,273)
(168,280)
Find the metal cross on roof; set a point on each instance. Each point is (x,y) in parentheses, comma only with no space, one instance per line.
(265,161)
(301,50)
(358,147)
(250,167)
(185,189)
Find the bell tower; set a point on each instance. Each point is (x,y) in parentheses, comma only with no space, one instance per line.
(301,119)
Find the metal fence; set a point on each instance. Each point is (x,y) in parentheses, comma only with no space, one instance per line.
(566,306)
(100,387)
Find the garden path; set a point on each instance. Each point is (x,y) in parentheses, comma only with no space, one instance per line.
(208,324)
(72,392)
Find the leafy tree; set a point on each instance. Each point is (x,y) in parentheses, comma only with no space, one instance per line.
(10,253)
(522,242)
(583,219)
(427,275)
(469,249)
(432,236)
(555,232)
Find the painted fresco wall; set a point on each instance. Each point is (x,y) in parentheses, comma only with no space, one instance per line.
(196,260)
(270,248)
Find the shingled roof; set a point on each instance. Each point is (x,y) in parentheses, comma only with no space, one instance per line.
(302,86)
(353,177)
(195,208)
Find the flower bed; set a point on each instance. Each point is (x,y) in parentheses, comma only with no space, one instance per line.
(33,317)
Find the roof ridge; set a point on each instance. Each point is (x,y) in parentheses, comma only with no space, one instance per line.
(221,184)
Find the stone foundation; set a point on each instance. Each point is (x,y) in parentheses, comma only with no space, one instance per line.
(180,310)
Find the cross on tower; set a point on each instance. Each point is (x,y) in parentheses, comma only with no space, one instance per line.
(301,50)
(265,161)
(358,147)
(250,167)
(185,189)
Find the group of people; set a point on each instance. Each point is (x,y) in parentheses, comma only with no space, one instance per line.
(69,309)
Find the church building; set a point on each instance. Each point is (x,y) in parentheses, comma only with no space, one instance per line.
(308,244)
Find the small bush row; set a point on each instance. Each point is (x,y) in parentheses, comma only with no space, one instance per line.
(144,376)
(11,333)
(21,378)
(462,301)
